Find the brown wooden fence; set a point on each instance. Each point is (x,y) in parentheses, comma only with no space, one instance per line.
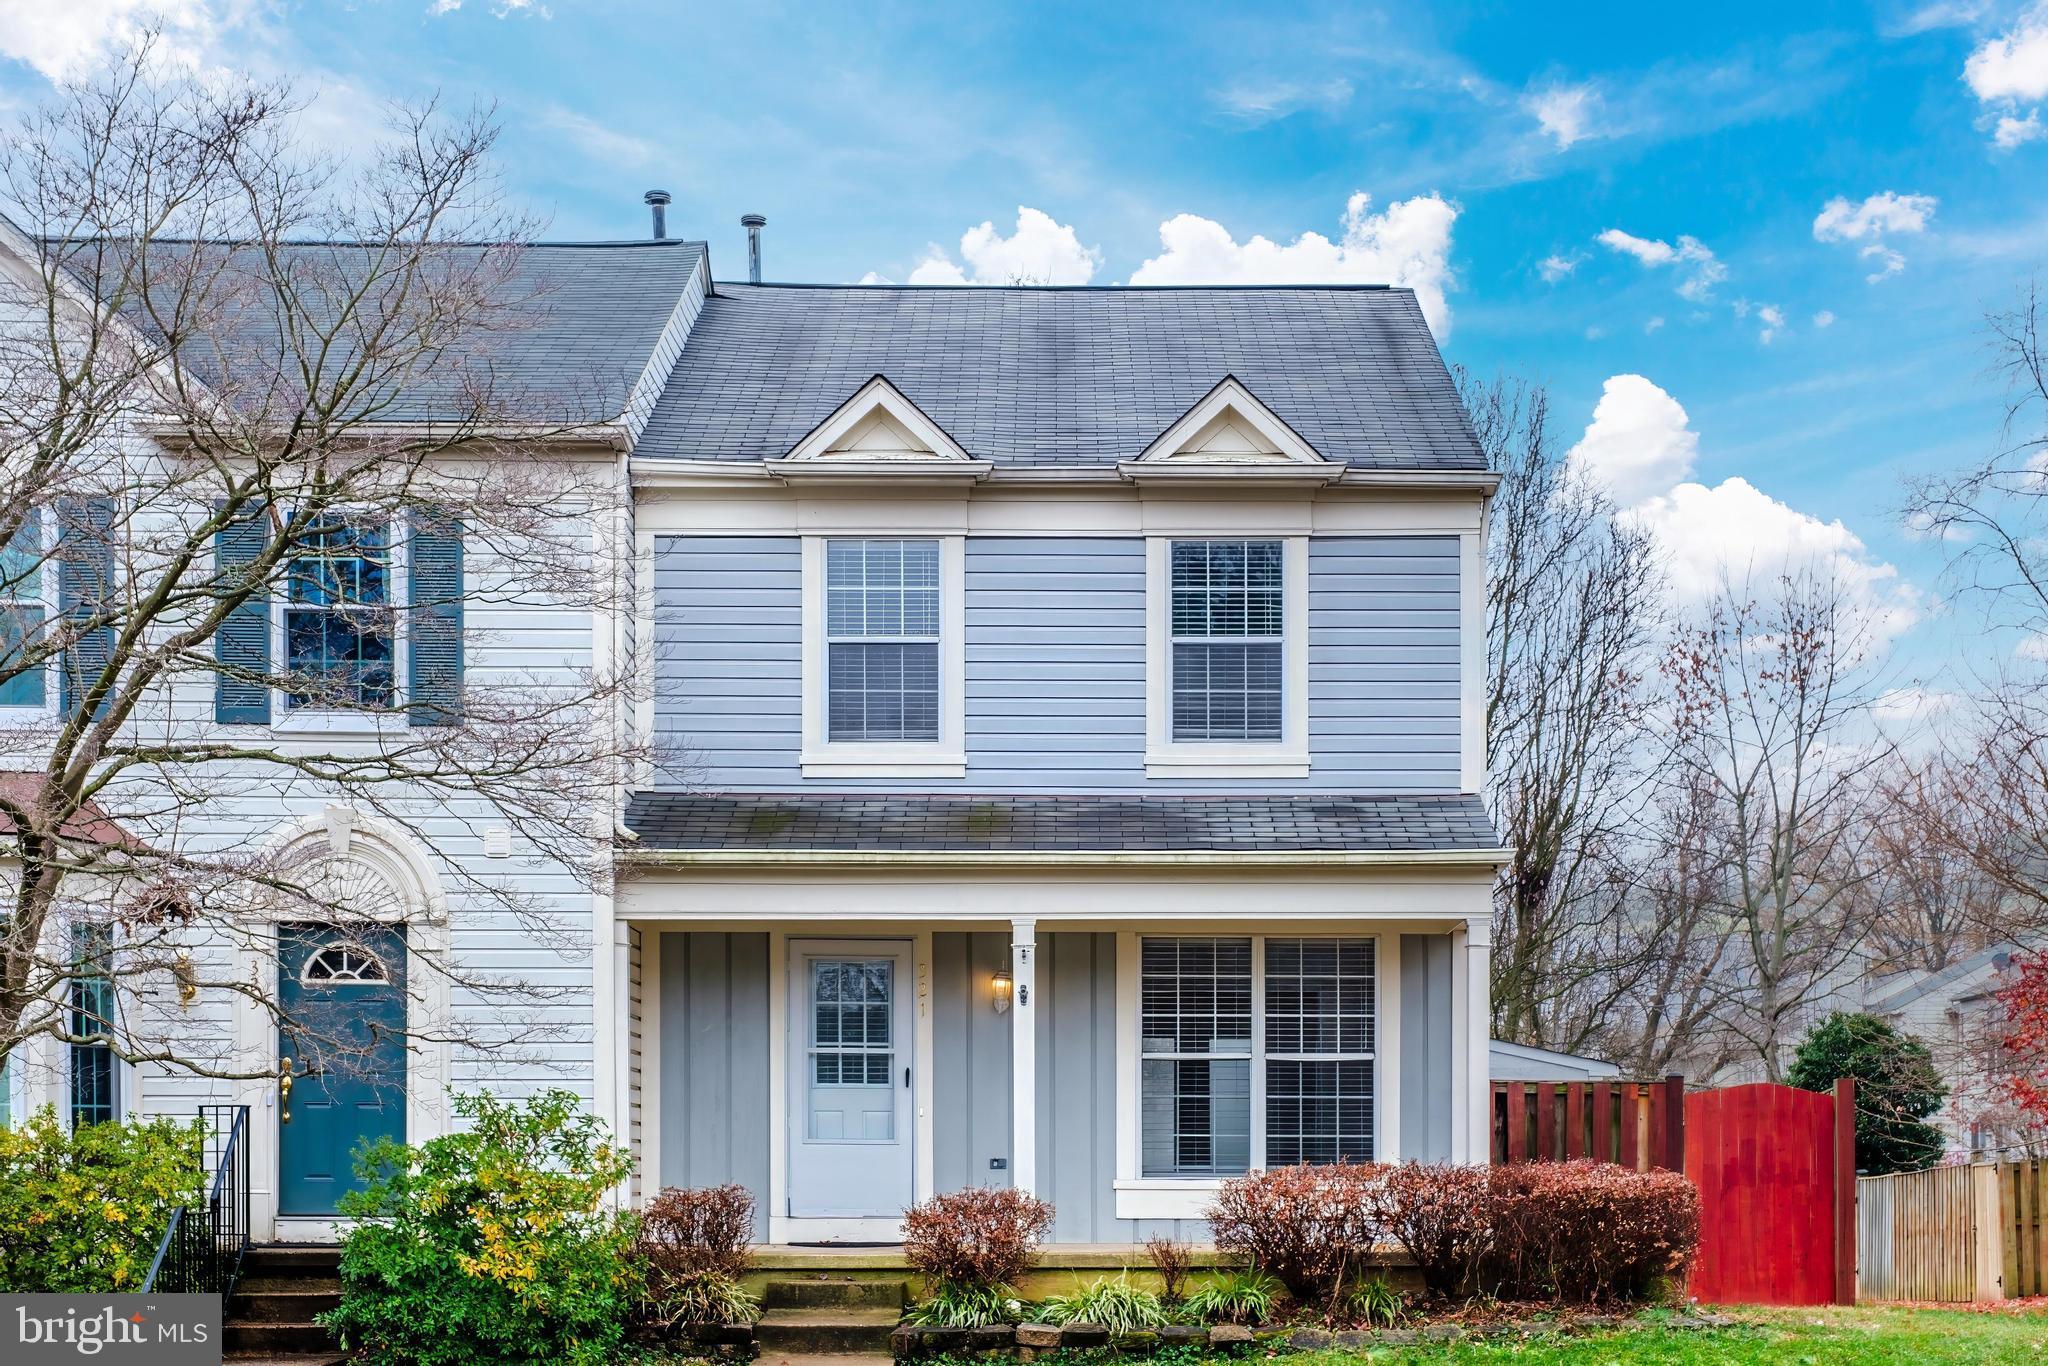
(1639,1124)
(1954,1234)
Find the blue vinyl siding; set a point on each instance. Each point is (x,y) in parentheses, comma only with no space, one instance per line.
(1055,666)
(1425,1039)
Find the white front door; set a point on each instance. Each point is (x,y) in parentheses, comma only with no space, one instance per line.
(850,1116)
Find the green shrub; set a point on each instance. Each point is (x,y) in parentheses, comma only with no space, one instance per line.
(1235,1297)
(956,1304)
(492,1245)
(1377,1303)
(83,1211)
(1897,1088)
(1116,1304)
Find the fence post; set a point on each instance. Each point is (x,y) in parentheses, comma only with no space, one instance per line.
(1674,1122)
(1845,1191)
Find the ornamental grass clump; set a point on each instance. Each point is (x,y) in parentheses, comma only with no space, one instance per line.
(83,1209)
(493,1246)
(1242,1297)
(971,1247)
(1115,1304)
(694,1246)
(1312,1227)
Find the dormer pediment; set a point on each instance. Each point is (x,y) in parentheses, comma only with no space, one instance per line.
(876,432)
(1229,430)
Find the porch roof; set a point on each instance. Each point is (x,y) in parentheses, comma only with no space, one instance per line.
(863,822)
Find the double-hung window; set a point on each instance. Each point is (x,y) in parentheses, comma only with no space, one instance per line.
(1255,1052)
(883,659)
(22,611)
(339,626)
(1226,658)
(95,1093)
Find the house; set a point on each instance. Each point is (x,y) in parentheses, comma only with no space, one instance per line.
(1068,722)
(1064,736)
(1522,1062)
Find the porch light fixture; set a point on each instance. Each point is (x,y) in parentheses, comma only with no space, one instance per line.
(999,986)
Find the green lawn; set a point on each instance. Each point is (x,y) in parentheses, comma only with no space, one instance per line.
(1794,1337)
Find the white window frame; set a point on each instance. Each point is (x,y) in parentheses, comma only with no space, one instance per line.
(945,757)
(315,719)
(1166,757)
(1138,1196)
(53,683)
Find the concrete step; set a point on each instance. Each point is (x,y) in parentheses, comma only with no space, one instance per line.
(843,1292)
(278,1339)
(292,1259)
(826,1331)
(251,1305)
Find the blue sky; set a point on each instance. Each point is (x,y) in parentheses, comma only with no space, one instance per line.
(1819,355)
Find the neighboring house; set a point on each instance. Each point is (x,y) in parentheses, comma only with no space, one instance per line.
(1067,711)
(1070,703)
(1520,1062)
(612,320)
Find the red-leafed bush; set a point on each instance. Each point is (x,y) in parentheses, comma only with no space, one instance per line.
(1443,1217)
(1310,1227)
(691,1232)
(1588,1231)
(975,1238)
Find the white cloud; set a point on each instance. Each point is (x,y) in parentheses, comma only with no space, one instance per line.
(1887,212)
(441,7)
(1903,706)
(1556,266)
(1923,526)
(1408,245)
(2013,66)
(2011,132)
(1639,443)
(1264,101)
(1824,318)
(2033,646)
(1640,447)
(1773,319)
(1655,324)
(62,38)
(1565,112)
(2009,71)
(1700,268)
(1041,252)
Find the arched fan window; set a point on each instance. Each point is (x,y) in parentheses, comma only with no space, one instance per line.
(342,964)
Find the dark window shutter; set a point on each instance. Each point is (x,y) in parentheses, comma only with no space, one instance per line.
(241,647)
(434,675)
(85,584)
(21,613)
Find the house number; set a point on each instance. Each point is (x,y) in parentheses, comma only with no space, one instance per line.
(1023,995)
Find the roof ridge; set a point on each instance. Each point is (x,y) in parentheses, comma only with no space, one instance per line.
(1351,287)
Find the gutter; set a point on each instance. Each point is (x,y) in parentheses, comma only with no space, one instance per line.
(1061,858)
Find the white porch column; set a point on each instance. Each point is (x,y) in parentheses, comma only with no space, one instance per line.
(1478,967)
(1024,1055)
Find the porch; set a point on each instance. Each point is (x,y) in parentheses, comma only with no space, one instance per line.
(1027,1045)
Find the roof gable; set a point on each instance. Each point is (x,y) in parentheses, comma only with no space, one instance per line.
(878,423)
(1230,425)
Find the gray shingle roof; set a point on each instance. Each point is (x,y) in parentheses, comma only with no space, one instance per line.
(1038,376)
(581,321)
(843,822)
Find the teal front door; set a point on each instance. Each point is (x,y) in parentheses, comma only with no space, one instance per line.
(340,1055)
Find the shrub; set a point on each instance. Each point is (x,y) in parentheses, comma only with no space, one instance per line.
(984,1239)
(1897,1088)
(1309,1226)
(1441,1216)
(1589,1231)
(83,1210)
(492,1245)
(1235,1297)
(955,1305)
(1170,1260)
(1116,1304)
(693,1247)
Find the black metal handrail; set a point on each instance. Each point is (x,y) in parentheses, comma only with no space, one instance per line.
(201,1251)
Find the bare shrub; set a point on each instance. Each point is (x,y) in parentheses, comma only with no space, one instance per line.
(976,1237)
(1589,1231)
(1311,1227)
(685,1233)
(1170,1258)
(1442,1216)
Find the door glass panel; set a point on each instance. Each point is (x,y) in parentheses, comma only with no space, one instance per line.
(852,1053)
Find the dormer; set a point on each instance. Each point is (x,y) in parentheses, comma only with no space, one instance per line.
(1229,434)
(878,434)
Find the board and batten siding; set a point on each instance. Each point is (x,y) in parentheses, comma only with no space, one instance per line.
(970,1062)
(1055,666)
(1427,1043)
(714,1063)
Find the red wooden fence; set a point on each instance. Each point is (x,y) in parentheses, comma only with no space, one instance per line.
(1640,1124)
(1776,1168)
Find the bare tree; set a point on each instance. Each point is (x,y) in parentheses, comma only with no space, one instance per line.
(234,375)
(1769,716)
(1572,611)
